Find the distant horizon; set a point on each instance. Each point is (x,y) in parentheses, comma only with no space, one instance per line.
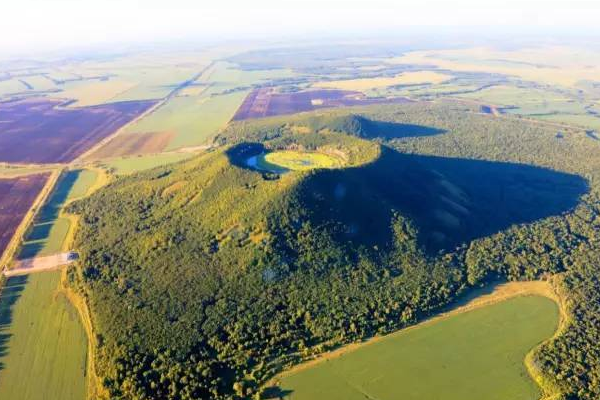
(46,26)
(421,37)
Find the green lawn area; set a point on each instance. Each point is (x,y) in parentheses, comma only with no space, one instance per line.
(49,231)
(282,161)
(474,355)
(128,165)
(43,346)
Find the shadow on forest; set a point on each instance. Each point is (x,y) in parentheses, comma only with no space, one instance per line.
(10,294)
(52,208)
(239,155)
(275,392)
(449,200)
(372,129)
(393,130)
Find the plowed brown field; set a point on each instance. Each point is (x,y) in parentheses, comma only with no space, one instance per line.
(265,102)
(16,197)
(38,131)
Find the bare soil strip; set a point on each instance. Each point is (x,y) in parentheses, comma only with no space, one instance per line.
(38,264)
(9,252)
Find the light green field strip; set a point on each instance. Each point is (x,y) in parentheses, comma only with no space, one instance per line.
(474,355)
(11,86)
(585,121)
(11,171)
(132,164)
(40,83)
(43,345)
(201,111)
(192,119)
(49,230)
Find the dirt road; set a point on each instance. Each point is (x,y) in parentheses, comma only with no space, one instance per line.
(39,264)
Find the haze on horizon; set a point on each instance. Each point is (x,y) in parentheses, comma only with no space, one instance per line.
(42,25)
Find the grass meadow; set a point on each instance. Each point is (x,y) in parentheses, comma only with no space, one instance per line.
(43,345)
(478,354)
(281,161)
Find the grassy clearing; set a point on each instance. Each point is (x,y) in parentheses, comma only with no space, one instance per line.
(123,166)
(583,120)
(282,161)
(506,95)
(546,105)
(43,343)
(50,229)
(407,78)
(477,354)
(530,101)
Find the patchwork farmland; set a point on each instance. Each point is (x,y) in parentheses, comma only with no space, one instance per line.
(265,102)
(16,197)
(58,135)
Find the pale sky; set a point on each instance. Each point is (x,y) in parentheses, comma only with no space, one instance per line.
(46,24)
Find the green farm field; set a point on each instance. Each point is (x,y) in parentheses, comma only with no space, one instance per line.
(49,229)
(478,354)
(203,109)
(43,345)
(583,120)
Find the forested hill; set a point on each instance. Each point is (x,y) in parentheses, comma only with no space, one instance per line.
(207,277)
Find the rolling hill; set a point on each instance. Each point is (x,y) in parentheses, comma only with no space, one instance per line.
(207,277)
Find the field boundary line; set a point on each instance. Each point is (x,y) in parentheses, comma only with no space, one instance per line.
(18,236)
(102,179)
(549,388)
(501,292)
(82,157)
(94,389)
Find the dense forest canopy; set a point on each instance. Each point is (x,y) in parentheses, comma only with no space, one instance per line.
(207,277)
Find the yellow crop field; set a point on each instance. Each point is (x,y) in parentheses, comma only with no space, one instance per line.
(95,92)
(407,78)
(550,65)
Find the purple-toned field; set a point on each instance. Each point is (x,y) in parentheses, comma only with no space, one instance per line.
(40,131)
(266,103)
(16,197)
